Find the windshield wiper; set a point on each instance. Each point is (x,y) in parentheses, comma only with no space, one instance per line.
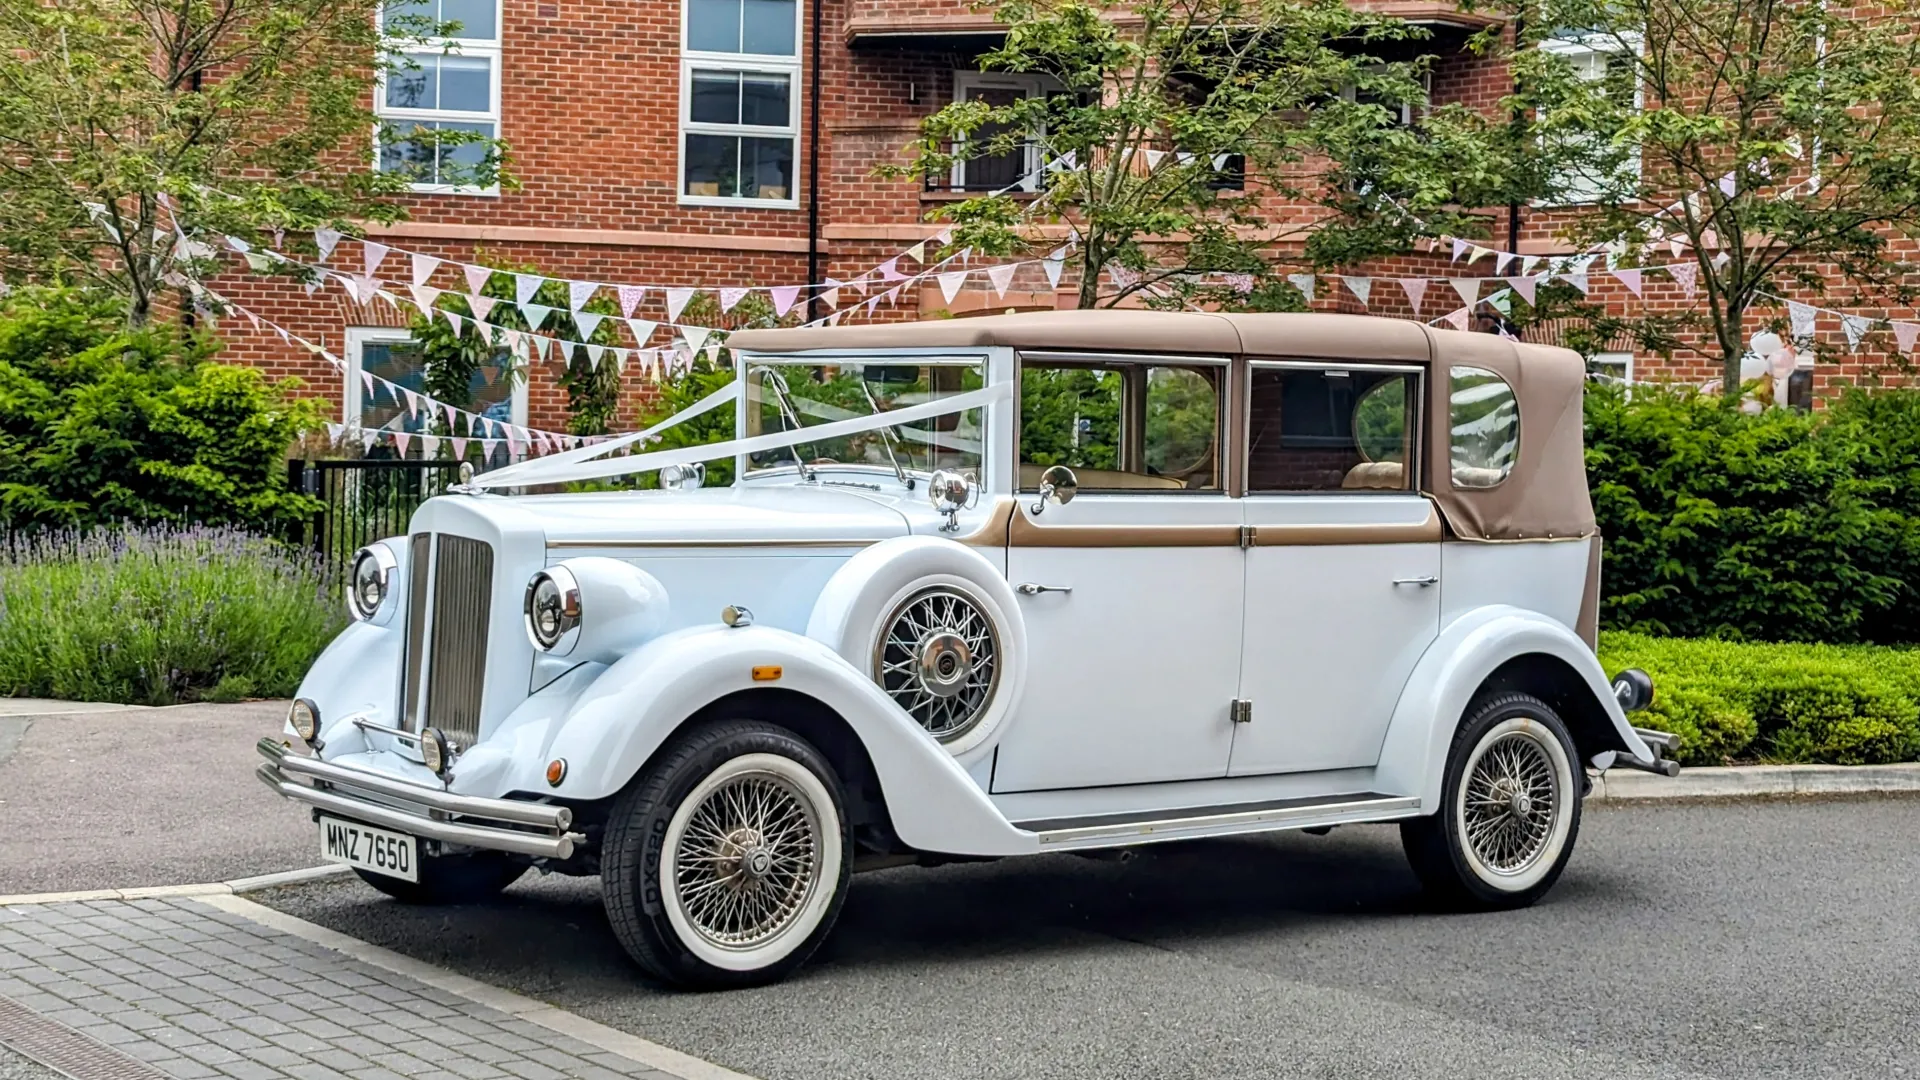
(886,437)
(783,394)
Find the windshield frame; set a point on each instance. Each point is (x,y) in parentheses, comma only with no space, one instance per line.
(750,367)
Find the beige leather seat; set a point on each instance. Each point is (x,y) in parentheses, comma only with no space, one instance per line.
(1376,476)
(1101,479)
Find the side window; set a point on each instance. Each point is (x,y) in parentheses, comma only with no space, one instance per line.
(1121,427)
(1484,427)
(1332,429)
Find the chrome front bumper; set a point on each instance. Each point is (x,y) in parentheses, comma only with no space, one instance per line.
(521,828)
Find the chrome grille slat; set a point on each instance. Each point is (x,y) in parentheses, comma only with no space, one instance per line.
(416,626)
(457,654)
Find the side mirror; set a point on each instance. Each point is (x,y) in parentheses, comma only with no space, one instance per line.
(1058,484)
(951,492)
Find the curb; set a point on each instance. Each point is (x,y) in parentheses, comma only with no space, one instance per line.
(632,1047)
(217,888)
(1758,781)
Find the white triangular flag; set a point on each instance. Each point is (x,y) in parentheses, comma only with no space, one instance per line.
(1052,265)
(588,322)
(259,262)
(1459,249)
(1468,288)
(594,354)
(642,329)
(696,337)
(1578,281)
(477,278)
(1631,279)
(1303,282)
(1360,287)
(579,292)
(1856,327)
(1458,317)
(424,297)
(1527,263)
(482,306)
(326,240)
(423,267)
(1503,260)
(918,252)
(1154,158)
(375,254)
(535,314)
(1524,286)
(525,286)
(950,283)
(1801,316)
(1904,334)
(677,300)
(730,297)
(1001,276)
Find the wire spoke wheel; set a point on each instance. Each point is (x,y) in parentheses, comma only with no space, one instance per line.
(1509,802)
(747,861)
(939,659)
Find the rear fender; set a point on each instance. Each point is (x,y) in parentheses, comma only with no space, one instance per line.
(1468,651)
(619,719)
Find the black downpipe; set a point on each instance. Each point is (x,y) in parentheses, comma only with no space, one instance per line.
(813,170)
(1519,121)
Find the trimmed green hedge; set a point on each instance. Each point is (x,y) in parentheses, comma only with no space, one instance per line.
(1734,701)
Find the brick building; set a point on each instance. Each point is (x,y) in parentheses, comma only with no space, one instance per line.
(718,143)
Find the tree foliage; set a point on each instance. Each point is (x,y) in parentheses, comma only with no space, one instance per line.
(1183,137)
(251,118)
(1774,145)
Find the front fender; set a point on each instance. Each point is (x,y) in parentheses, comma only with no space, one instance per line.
(619,719)
(1414,756)
(356,675)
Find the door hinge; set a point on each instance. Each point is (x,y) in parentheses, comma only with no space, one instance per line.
(1241,711)
(1246,536)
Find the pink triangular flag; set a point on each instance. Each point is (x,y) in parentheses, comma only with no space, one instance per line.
(677,300)
(890,270)
(1416,288)
(401,441)
(1629,278)
(730,297)
(1687,275)
(366,380)
(477,278)
(1468,288)
(1904,334)
(375,253)
(513,442)
(1525,286)
(482,306)
(1001,276)
(1458,317)
(950,283)
(451,413)
(459,448)
(784,297)
(629,298)
(413,402)
(423,267)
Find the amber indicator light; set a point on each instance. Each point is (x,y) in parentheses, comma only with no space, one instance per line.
(556,771)
(766,673)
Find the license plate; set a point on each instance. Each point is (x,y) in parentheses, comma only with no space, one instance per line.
(367,848)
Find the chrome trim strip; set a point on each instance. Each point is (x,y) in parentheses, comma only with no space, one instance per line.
(1291,817)
(542,815)
(517,843)
(696,543)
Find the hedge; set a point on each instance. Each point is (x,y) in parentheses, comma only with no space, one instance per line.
(1740,702)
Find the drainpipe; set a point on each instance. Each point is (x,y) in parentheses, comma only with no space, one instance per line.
(1519,119)
(813,169)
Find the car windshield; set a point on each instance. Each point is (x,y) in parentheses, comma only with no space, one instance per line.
(781,397)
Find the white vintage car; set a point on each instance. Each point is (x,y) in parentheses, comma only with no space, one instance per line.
(1061,582)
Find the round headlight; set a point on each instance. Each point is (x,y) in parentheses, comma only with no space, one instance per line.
(435,754)
(553,607)
(304,718)
(367,584)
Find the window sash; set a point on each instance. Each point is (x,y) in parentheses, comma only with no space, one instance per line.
(968,84)
(707,56)
(744,64)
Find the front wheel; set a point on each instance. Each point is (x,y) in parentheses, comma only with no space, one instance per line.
(725,863)
(1509,809)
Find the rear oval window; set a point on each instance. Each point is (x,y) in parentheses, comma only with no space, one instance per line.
(1483,428)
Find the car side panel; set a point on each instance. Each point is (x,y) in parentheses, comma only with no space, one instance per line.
(1470,647)
(618,719)
(1547,577)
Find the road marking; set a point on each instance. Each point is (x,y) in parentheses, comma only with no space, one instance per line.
(216,888)
(632,1047)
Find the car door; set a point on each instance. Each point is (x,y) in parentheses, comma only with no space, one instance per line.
(1343,568)
(1132,590)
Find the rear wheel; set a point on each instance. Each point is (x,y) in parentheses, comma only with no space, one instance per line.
(452,879)
(725,863)
(1509,809)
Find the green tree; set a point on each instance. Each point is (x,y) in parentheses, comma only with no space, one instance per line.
(1776,143)
(1176,131)
(248,118)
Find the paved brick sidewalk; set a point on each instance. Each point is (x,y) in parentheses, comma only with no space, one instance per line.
(193,992)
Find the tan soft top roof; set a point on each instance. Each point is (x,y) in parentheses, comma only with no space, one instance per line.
(1545,497)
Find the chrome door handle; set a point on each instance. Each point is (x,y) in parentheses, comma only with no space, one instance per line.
(1028,588)
(1423,582)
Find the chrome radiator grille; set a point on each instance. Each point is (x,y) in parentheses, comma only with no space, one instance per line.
(453,631)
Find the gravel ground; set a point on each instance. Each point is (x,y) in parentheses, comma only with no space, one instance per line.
(1751,941)
(143,797)
(15,1067)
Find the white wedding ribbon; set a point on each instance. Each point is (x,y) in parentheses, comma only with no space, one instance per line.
(552,471)
(512,475)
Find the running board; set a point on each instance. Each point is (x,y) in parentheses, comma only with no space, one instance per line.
(1119,830)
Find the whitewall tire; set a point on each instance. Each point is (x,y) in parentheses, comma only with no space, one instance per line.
(937,627)
(1509,811)
(726,863)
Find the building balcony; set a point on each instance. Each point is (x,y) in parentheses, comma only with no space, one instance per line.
(953,25)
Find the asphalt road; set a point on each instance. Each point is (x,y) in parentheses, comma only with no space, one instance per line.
(99,800)
(1748,940)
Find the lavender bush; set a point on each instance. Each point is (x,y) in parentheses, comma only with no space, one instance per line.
(158,616)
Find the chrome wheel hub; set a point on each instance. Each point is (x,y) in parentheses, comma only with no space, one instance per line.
(1510,801)
(938,658)
(748,861)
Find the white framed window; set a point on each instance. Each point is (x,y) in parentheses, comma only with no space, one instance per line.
(1018,168)
(740,103)
(388,353)
(1402,112)
(450,84)
(1593,56)
(1613,365)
